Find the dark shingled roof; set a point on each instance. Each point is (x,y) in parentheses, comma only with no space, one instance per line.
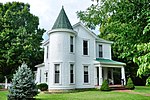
(62,21)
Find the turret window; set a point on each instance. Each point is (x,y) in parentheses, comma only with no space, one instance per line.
(71,44)
(71,73)
(57,73)
(47,52)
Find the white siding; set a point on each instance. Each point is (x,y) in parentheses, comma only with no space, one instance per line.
(83,59)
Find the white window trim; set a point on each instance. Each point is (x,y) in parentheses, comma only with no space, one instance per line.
(89,72)
(73,73)
(60,79)
(88,40)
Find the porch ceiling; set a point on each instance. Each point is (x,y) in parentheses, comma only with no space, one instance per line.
(109,62)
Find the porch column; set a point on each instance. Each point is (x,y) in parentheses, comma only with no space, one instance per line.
(123,79)
(105,73)
(112,75)
(100,76)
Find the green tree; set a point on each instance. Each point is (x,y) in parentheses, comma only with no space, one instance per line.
(20,37)
(126,22)
(23,85)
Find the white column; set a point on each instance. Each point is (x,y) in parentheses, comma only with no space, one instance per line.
(105,73)
(112,75)
(6,82)
(123,76)
(95,76)
(100,76)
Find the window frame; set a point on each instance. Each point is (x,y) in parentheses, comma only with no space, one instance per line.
(100,51)
(88,74)
(59,73)
(71,44)
(72,73)
(47,49)
(46,76)
(83,47)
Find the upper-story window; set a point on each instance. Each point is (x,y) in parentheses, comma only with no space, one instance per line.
(71,44)
(85,47)
(47,48)
(100,51)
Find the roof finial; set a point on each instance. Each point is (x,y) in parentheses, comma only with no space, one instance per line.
(62,6)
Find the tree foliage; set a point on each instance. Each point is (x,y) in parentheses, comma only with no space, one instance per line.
(148,81)
(127,23)
(23,85)
(20,37)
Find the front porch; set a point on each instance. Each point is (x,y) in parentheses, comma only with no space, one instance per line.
(104,69)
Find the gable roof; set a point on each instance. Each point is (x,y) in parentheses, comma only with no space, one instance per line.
(100,40)
(62,21)
(86,28)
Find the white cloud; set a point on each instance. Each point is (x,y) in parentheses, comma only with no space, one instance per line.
(48,10)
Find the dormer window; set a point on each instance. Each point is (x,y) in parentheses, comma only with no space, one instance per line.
(100,51)
(71,44)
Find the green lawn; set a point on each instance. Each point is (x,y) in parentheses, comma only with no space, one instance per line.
(142,89)
(92,95)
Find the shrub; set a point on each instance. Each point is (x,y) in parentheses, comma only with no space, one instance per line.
(130,84)
(42,86)
(1,87)
(148,81)
(105,86)
(23,86)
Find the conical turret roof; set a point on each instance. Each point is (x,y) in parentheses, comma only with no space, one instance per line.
(62,21)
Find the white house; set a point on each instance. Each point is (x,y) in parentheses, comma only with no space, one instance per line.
(75,57)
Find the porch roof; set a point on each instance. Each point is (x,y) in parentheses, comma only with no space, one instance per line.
(109,61)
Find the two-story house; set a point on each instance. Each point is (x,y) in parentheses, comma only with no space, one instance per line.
(75,57)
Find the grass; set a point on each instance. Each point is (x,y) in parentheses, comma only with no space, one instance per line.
(142,89)
(92,95)
(3,95)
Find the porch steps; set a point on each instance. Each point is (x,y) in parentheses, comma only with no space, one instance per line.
(117,87)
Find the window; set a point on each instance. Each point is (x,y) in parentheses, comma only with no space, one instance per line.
(47,52)
(46,76)
(40,75)
(86,74)
(57,73)
(85,47)
(71,43)
(71,73)
(100,51)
